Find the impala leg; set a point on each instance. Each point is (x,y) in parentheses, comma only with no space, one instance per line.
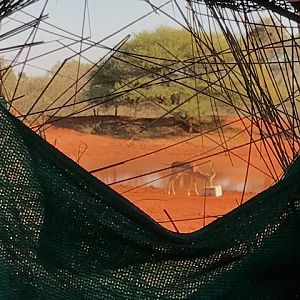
(170,184)
(196,189)
(191,182)
(173,187)
(177,176)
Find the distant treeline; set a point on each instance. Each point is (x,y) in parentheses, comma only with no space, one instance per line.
(168,68)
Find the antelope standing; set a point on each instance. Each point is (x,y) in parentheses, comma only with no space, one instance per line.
(193,172)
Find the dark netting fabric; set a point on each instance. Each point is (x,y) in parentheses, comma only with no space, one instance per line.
(66,235)
(8,7)
(248,5)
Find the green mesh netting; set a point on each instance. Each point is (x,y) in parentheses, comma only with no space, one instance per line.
(65,235)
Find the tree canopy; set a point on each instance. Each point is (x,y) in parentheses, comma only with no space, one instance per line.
(192,75)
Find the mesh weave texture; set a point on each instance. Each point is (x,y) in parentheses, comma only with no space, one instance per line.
(8,7)
(66,235)
(247,5)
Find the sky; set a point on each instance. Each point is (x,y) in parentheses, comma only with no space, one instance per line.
(105,18)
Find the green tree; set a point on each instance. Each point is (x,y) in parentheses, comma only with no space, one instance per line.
(172,67)
(39,93)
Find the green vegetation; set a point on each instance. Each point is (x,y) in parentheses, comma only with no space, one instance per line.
(167,68)
(196,77)
(46,92)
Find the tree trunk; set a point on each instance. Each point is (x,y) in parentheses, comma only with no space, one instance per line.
(116,109)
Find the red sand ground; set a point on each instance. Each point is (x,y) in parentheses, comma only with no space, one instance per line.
(103,150)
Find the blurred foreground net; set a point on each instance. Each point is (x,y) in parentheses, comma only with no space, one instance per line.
(66,235)
(8,7)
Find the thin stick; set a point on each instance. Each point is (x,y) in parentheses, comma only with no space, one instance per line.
(80,153)
(165,211)
(204,205)
(192,219)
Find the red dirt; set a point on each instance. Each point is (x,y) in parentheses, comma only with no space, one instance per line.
(104,150)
